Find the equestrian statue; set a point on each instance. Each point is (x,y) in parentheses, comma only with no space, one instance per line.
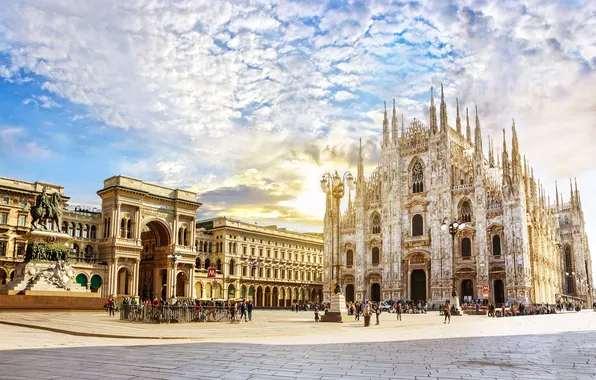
(47,207)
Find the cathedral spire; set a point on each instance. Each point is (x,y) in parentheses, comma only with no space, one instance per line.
(478,136)
(491,158)
(443,112)
(360,165)
(433,112)
(385,128)
(557,192)
(505,156)
(468,129)
(394,123)
(403,128)
(515,156)
(572,198)
(457,119)
(576,193)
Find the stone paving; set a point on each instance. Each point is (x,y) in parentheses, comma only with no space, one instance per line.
(553,347)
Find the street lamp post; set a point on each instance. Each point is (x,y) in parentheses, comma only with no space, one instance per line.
(254,265)
(174,259)
(336,184)
(453,227)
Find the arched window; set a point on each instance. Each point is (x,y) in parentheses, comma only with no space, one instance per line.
(71,229)
(466,247)
(232,265)
(85,231)
(210,247)
(375,256)
(569,270)
(88,252)
(198,262)
(180,233)
(207,263)
(129,229)
(93,234)
(2,249)
(122,224)
(349,258)
(417,178)
(496,245)
(417,225)
(75,250)
(376,224)
(465,213)
(64,227)
(78,230)
(219,265)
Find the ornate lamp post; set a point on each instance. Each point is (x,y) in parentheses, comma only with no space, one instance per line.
(453,227)
(174,259)
(336,184)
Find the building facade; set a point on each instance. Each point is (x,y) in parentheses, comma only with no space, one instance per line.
(144,242)
(515,241)
(273,266)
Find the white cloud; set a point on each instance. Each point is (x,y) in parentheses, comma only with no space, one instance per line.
(341,96)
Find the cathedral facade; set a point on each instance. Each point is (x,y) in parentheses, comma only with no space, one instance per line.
(513,243)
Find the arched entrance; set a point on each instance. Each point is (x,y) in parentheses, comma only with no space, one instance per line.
(259,301)
(231,292)
(499,292)
(3,277)
(418,281)
(275,297)
(180,284)
(82,280)
(251,294)
(267,297)
(375,292)
(467,290)
(208,291)
(350,293)
(124,281)
(96,282)
(155,239)
(199,290)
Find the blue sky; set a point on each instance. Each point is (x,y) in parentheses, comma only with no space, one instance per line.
(248,102)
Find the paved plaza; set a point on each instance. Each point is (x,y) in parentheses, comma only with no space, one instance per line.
(286,345)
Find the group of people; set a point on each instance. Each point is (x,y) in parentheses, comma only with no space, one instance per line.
(240,309)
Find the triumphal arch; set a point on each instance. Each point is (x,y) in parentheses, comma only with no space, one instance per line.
(147,238)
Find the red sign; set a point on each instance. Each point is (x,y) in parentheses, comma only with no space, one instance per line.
(211,272)
(485,288)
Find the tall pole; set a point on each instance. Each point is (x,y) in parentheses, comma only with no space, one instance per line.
(337,249)
(453,291)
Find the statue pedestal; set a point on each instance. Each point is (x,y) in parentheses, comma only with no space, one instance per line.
(45,268)
(455,302)
(337,309)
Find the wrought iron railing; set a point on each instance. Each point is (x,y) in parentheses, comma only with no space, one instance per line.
(174,314)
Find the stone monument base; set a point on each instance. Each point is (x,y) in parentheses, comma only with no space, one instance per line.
(337,310)
(455,302)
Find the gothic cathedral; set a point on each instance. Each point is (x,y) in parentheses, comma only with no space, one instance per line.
(514,245)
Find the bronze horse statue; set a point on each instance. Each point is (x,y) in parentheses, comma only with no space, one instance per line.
(47,207)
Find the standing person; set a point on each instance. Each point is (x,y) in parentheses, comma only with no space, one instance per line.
(477,308)
(243,311)
(366,310)
(316,314)
(398,311)
(377,309)
(249,308)
(447,312)
(108,305)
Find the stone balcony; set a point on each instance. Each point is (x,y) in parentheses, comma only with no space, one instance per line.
(416,241)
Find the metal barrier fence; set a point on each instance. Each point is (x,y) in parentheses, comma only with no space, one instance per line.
(173,314)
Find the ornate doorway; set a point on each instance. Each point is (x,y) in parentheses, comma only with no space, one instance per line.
(499,292)
(467,290)
(375,292)
(350,293)
(418,281)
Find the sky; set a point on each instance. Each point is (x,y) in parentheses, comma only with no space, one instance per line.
(248,103)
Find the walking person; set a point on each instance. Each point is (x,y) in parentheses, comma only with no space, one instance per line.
(243,311)
(398,311)
(377,310)
(447,312)
(249,308)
